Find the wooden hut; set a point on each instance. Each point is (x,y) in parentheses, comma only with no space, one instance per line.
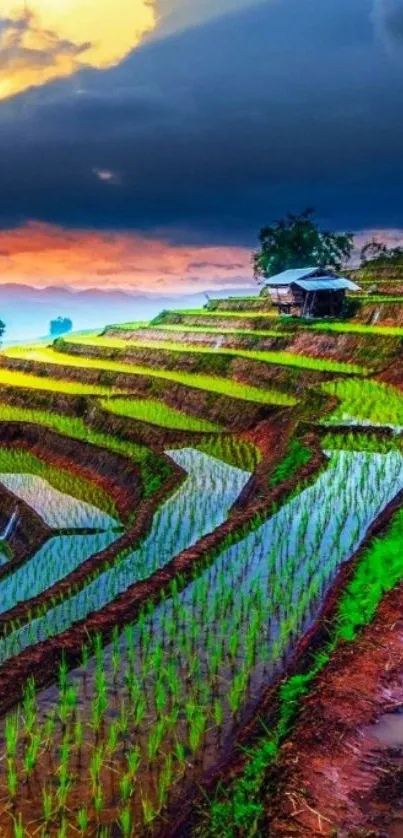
(308,292)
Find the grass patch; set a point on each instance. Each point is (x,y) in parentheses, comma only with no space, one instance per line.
(366,401)
(211,383)
(157,413)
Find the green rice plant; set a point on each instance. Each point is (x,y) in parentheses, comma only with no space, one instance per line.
(359,328)
(11,779)
(297,455)
(126,787)
(365,402)
(160,414)
(17,378)
(211,383)
(282,358)
(228,448)
(154,470)
(47,804)
(11,731)
(125,821)
(19,461)
(18,826)
(82,820)
(31,754)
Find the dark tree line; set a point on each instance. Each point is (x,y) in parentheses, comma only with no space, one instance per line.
(296,241)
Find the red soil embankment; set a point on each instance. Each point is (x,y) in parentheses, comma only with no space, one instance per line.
(208,339)
(329,771)
(381,314)
(368,350)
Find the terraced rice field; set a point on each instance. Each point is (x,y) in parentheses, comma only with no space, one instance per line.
(210,383)
(158,633)
(285,358)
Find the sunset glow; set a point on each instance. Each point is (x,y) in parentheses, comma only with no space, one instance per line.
(45,40)
(41,255)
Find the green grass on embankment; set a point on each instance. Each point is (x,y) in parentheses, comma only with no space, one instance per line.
(210,383)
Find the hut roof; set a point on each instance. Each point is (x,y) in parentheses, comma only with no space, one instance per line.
(327,283)
(291,275)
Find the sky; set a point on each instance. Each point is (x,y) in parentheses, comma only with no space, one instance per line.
(143,143)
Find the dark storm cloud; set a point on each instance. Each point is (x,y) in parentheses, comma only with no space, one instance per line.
(287,104)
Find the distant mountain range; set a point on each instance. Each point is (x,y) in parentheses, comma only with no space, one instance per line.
(27,311)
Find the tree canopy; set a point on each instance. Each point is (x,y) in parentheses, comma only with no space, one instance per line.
(376,255)
(296,241)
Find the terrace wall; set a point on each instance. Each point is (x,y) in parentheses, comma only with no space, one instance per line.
(365,349)
(234,414)
(249,371)
(202,338)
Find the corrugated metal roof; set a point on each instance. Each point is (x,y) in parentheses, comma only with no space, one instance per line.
(291,275)
(327,283)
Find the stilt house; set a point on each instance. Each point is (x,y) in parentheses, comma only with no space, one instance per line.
(308,292)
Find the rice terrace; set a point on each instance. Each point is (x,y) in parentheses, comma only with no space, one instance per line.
(201,568)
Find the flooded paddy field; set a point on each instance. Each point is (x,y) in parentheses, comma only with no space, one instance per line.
(228,543)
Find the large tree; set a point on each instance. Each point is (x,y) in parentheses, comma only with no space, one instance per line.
(296,241)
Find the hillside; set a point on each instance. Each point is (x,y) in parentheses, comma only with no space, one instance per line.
(205,503)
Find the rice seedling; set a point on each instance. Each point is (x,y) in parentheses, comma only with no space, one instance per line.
(366,402)
(210,383)
(235,625)
(197,507)
(17,378)
(157,413)
(19,461)
(360,328)
(57,509)
(153,469)
(282,358)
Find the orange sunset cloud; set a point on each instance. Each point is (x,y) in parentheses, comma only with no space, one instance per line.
(40,254)
(43,40)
